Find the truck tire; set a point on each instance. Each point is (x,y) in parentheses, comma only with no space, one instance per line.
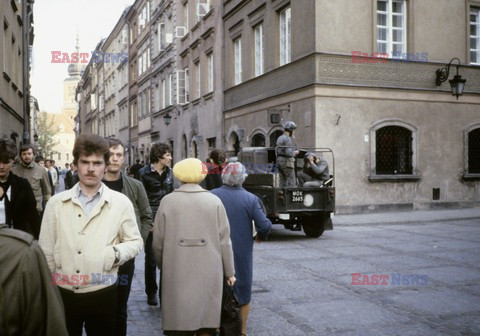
(313,226)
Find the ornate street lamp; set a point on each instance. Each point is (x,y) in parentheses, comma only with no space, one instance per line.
(457,83)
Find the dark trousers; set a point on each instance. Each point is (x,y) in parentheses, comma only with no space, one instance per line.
(95,309)
(125,275)
(151,287)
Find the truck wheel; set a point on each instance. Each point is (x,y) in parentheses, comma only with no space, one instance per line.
(314,226)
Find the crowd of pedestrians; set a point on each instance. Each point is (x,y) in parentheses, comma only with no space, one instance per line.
(194,222)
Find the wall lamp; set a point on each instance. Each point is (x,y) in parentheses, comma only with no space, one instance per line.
(167,118)
(457,83)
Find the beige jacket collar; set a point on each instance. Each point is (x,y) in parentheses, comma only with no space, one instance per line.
(72,194)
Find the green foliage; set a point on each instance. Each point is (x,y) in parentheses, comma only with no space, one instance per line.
(46,132)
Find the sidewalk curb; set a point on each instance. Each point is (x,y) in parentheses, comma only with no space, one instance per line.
(406,222)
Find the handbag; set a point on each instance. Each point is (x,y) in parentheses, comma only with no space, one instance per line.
(230,320)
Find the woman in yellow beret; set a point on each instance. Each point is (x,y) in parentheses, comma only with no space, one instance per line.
(191,243)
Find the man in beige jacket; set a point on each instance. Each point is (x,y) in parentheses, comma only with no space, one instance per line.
(87,233)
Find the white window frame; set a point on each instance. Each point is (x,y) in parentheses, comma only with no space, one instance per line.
(202,8)
(170,90)
(186,16)
(164,92)
(187,84)
(140,104)
(210,72)
(161,36)
(197,79)
(475,12)
(237,60)
(285,36)
(388,41)
(258,47)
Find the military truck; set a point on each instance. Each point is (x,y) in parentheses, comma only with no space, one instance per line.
(310,207)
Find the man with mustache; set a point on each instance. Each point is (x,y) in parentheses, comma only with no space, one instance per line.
(116,179)
(35,174)
(87,233)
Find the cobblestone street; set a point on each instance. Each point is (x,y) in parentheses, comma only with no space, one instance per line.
(304,286)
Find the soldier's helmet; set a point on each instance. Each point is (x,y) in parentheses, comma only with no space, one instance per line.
(289,126)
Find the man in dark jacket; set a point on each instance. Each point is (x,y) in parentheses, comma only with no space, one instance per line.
(69,177)
(29,303)
(157,178)
(134,190)
(135,168)
(18,207)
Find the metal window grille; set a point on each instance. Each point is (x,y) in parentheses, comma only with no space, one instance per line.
(393,151)
(258,140)
(474,151)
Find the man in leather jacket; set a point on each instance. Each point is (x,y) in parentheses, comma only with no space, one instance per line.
(157,178)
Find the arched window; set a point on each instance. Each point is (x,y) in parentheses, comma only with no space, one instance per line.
(274,136)
(184,147)
(258,140)
(393,146)
(195,149)
(393,152)
(472,148)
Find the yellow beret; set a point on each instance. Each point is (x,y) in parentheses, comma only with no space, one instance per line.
(190,170)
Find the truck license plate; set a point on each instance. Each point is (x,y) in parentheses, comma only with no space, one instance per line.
(297,196)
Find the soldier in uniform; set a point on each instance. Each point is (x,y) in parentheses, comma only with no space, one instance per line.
(286,151)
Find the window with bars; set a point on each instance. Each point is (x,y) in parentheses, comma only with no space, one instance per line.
(392,27)
(475,36)
(474,151)
(393,152)
(258,140)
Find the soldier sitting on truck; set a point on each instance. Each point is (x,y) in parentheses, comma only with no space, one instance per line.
(315,171)
(286,151)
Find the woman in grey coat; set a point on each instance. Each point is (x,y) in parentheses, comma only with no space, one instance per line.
(191,244)
(242,208)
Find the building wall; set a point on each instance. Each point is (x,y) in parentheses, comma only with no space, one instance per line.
(337,103)
(11,66)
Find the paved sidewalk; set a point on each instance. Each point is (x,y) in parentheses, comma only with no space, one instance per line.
(404,217)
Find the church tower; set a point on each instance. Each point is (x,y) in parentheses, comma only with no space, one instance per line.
(65,122)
